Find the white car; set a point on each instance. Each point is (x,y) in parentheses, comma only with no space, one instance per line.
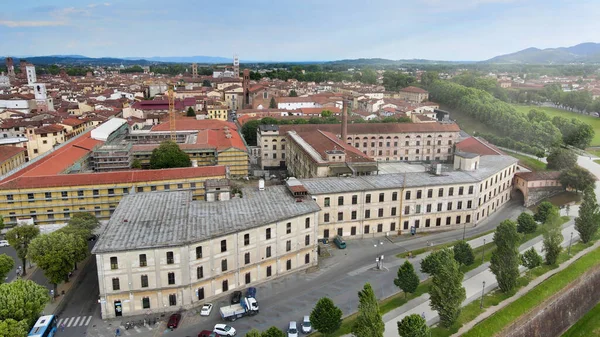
(292,330)
(206,309)
(306,326)
(4,243)
(224,330)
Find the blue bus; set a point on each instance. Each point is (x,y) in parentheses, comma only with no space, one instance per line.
(44,327)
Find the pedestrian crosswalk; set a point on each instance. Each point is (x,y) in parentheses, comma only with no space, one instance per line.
(71,322)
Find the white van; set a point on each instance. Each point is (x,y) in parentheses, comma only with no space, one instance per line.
(292,330)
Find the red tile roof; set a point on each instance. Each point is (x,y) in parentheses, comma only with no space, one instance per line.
(211,132)
(49,129)
(479,146)
(541,175)
(7,152)
(72,122)
(375,128)
(414,90)
(113,178)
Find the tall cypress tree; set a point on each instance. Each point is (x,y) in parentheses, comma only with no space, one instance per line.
(589,216)
(505,259)
(369,322)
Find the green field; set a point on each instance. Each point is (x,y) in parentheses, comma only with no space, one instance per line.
(593,121)
(588,325)
(532,163)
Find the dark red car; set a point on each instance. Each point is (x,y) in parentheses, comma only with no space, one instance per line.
(207,333)
(174,321)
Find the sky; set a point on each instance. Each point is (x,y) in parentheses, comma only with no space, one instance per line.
(290,30)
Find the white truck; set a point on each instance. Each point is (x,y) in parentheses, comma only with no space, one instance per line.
(248,306)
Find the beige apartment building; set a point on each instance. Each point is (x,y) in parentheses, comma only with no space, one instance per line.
(43,139)
(379,141)
(389,204)
(162,251)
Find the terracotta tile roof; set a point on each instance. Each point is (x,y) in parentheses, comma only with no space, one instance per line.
(374,128)
(7,152)
(309,111)
(540,175)
(49,129)
(478,145)
(191,123)
(327,141)
(414,90)
(72,121)
(111,178)
(211,132)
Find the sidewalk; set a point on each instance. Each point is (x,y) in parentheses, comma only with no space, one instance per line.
(63,289)
(473,284)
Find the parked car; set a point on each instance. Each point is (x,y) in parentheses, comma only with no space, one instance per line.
(207,333)
(224,330)
(4,243)
(174,321)
(306,326)
(251,292)
(292,330)
(206,309)
(236,297)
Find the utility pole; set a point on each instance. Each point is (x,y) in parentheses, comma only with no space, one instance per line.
(483,252)
(482,290)
(570,242)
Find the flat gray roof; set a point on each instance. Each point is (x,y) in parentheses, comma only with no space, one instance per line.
(488,166)
(162,219)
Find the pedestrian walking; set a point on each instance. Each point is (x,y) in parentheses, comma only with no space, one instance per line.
(117,332)
(423,314)
(62,326)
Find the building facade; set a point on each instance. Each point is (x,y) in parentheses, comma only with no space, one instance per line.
(11,157)
(196,251)
(379,205)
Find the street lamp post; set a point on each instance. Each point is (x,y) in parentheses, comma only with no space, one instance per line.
(482,290)
(570,241)
(464,230)
(483,252)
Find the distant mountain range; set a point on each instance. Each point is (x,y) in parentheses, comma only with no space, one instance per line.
(588,52)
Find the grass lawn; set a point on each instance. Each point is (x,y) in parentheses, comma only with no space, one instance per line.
(537,295)
(531,163)
(593,121)
(588,325)
(597,161)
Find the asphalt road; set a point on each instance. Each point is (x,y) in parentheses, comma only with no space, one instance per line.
(10,251)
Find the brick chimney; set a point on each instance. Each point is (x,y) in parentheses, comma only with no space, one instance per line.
(344,119)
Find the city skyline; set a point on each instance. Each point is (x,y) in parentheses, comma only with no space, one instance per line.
(465,30)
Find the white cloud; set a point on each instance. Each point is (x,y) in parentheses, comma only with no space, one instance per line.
(13,24)
(96,5)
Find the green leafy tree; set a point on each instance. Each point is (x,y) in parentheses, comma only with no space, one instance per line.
(326,317)
(395,80)
(22,300)
(206,83)
(413,326)
(577,178)
(1,223)
(293,93)
(552,240)
(369,322)
(588,220)
(253,333)
(446,292)
(505,259)
(272,103)
(531,259)
(6,265)
(429,77)
(273,332)
(136,164)
(168,155)
(433,261)
(526,223)
(368,76)
(10,327)
(19,238)
(544,210)
(463,253)
(407,279)
(326,113)
(561,159)
(190,112)
(249,130)
(56,254)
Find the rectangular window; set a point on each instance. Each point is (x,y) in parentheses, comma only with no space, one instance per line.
(306,258)
(459,205)
(461,190)
(96,193)
(247,278)
(200,294)
(470,189)
(144,281)
(247,258)
(381,197)
(380,212)
(10,198)
(306,223)
(407,195)
(246,239)
(152,188)
(140,189)
(406,210)
(30,197)
(170,259)
(393,212)
(80,194)
(146,302)
(223,246)
(394,196)
(451,191)
(199,252)
(368,199)
(448,220)
(268,233)
(439,207)
(468,219)
(288,228)
(379,228)
(438,221)
(125,190)
(405,224)
(288,245)
(224,265)
(180,186)
(111,191)
(268,251)
(327,202)
(392,226)
(441,192)
(288,264)
(326,217)
(366,229)
(430,193)
(353,215)
(269,271)
(143,261)
(353,230)
(340,216)
(469,204)
(419,194)
(458,219)
(367,213)
(307,240)
(172,299)
(340,201)
(115,284)
(354,199)
(427,222)
(428,208)
(48,195)
(114,263)
(418,209)
(449,206)
(171,277)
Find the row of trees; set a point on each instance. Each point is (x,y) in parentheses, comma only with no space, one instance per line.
(580,100)
(489,110)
